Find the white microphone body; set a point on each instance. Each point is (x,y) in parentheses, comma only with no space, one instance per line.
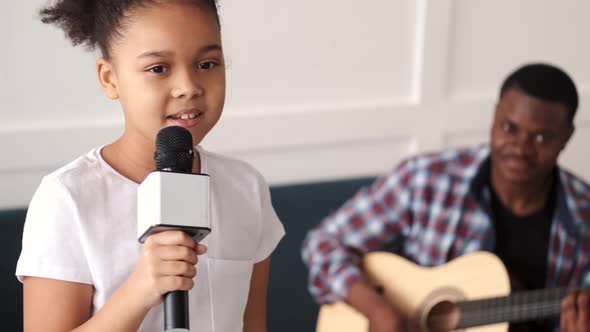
(170,200)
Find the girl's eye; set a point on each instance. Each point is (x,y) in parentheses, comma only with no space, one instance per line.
(207,65)
(540,138)
(157,69)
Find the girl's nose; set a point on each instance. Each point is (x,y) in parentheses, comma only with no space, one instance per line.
(187,87)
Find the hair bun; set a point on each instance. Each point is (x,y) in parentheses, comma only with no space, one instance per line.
(75,17)
(95,22)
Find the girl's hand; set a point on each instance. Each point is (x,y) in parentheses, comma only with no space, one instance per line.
(167,263)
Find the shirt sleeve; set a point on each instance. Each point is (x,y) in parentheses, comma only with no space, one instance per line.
(375,218)
(52,246)
(271,228)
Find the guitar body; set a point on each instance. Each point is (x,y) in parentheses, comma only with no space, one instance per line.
(415,290)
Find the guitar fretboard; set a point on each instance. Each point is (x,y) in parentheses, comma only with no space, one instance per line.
(519,307)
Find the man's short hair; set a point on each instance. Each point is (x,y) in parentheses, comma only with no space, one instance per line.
(545,82)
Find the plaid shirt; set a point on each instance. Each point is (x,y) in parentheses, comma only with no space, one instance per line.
(431,209)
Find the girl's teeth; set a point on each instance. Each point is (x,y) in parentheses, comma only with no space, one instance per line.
(188,116)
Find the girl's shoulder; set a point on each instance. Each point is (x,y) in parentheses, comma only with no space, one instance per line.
(84,165)
(83,176)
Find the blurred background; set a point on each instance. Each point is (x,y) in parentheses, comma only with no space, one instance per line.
(322,96)
(317,90)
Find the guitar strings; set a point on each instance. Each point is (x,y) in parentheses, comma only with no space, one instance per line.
(511,313)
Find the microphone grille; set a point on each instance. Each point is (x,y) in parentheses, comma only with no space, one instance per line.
(174,150)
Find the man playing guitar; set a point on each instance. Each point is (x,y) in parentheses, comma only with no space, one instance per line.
(509,197)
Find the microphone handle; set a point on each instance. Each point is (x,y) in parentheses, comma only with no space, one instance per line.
(176,315)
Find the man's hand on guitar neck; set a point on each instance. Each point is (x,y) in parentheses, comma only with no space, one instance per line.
(575,312)
(382,316)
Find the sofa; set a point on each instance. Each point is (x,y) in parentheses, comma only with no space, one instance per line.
(290,307)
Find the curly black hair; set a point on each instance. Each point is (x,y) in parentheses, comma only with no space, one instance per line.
(544,81)
(95,23)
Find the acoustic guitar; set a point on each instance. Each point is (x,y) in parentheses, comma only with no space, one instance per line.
(470,293)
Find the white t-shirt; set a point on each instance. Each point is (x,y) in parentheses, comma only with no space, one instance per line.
(81,226)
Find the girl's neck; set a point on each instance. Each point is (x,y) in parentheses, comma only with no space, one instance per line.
(133,157)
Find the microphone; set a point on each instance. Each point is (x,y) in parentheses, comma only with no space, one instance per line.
(174,198)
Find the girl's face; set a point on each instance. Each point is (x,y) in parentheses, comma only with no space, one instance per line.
(167,68)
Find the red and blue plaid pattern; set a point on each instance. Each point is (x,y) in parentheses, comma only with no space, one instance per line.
(431,209)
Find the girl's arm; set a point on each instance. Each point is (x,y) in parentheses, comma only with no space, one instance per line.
(255,313)
(167,263)
(46,300)
(56,305)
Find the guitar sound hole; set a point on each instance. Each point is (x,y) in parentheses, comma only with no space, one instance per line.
(443,317)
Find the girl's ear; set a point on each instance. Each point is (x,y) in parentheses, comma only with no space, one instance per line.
(107,78)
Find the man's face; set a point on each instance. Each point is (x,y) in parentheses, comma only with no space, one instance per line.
(527,136)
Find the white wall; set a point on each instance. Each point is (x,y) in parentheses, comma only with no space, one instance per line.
(316,89)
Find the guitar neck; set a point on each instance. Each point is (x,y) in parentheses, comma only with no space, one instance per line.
(519,307)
